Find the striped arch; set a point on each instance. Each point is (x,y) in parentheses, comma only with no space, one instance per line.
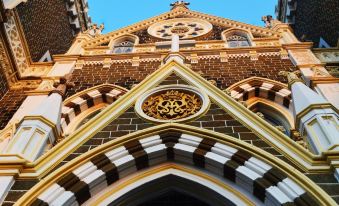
(264,88)
(259,173)
(82,101)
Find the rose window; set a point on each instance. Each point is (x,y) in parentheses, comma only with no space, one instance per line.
(186,28)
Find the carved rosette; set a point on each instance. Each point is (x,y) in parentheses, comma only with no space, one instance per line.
(177,103)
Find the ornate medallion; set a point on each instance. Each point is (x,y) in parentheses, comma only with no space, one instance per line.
(172,104)
(186,28)
(175,103)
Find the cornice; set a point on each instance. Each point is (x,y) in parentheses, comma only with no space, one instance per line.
(301,45)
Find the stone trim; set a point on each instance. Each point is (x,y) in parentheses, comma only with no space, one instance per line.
(265,182)
(104,94)
(260,88)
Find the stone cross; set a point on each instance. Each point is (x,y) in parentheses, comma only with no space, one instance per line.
(175,43)
(177,3)
(64,84)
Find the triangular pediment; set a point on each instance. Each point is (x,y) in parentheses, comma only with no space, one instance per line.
(181,13)
(176,73)
(183,75)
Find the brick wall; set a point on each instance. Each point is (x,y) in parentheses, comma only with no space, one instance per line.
(9,104)
(225,73)
(120,74)
(237,69)
(3,83)
(46,26)
(317,19)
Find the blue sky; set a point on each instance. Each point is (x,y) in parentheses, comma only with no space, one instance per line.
(120,13)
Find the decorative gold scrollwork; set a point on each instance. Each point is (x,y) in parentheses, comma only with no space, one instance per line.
(172,105)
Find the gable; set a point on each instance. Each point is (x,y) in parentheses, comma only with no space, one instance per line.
(239,123)
(218,23)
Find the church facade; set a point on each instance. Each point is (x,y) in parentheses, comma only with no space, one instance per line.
(183,108)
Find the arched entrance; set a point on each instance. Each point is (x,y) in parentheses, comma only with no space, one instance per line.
(244,172)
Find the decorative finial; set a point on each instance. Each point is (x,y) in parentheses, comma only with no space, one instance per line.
(94,30)
(179,3)
(269,21)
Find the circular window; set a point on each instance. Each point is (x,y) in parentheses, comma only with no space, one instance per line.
(186,28)
(172,103)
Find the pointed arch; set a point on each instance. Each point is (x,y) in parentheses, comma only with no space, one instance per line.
(266,177)
(86,102)
(262,87)
(276,97)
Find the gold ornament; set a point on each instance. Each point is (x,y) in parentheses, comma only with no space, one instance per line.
(172,105)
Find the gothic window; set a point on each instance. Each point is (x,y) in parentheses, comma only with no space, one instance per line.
(237,40)
(123,47)
(272,116)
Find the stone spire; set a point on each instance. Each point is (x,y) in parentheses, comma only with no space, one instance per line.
(315,117)
(41,127)
(179,4)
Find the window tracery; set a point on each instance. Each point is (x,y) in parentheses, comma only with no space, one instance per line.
(186,28)
(123,47)
(236,40)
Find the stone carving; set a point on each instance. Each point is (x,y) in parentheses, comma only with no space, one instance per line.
(296,136)
(213,82)
(281,128)
(94,30)
(6,66)
(172,105)
(269,21)
(292,76)
(320,72)
(46,85)
(16,44)
(179,3)
(261,115)
(26,84)
(6,134)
